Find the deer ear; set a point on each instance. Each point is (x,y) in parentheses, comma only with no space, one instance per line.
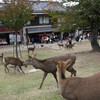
(68,62)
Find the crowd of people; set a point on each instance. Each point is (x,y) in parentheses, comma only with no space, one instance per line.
(55,38)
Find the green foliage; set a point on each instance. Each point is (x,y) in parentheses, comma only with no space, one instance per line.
(84,14)
(16,13)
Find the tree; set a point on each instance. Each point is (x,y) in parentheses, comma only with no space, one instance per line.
(15,15)
(86,13)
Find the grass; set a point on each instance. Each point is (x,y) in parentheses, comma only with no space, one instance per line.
(25,87)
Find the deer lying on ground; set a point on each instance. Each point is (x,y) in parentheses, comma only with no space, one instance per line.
(76,88)
(13,61)
(31,49)
(68,46)
(48,65)
(1,57)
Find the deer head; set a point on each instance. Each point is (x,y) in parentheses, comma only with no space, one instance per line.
(30,60)
(63,64)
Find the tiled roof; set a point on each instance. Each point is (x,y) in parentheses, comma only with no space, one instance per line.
(39,7)
(44,5)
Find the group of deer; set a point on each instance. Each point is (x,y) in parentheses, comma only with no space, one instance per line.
(66,46)
(15,61)
(71,88)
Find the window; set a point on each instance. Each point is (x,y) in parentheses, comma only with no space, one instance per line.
(59,20)
(28,23)
(43,20)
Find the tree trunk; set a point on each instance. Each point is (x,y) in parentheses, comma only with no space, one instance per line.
(16,45)
(94,38)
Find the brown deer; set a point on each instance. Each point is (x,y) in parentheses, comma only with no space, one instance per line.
(68,46)
(31,49)
(13,61)
(48,65)
(76,88)
(1,57)
(60,45)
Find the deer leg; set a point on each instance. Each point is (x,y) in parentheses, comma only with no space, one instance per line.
(5,66)
(55,76)
(72,70)
(21,69)
(44,76)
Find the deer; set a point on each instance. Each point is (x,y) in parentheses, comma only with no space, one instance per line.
(60,45)
(31,49)
(13,61)
(68,46)
(1,57)
(77,88)
(48,66)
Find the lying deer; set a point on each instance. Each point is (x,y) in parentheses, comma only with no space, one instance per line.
(68,46)
(31,49)
(48,65)
(76,88)
(13,61)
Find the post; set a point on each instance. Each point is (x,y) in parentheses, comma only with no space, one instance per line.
(24,36)
(61,37)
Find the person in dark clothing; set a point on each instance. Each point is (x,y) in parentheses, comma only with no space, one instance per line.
(77,39)
(70,40)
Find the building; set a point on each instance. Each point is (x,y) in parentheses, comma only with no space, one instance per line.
(38,27)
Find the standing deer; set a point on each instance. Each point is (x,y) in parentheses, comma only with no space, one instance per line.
(68,46)
(48,65)
(13,61)
(60,45)
(31,49)
(76,88)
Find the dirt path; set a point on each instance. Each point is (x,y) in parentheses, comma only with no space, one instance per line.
(81,46)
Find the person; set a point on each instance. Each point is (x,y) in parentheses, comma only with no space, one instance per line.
(77,39)
(45,38)
(61,37)
(32,40)
(70,40)
(81,37)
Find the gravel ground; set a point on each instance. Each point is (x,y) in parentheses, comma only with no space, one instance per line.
(79,47)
